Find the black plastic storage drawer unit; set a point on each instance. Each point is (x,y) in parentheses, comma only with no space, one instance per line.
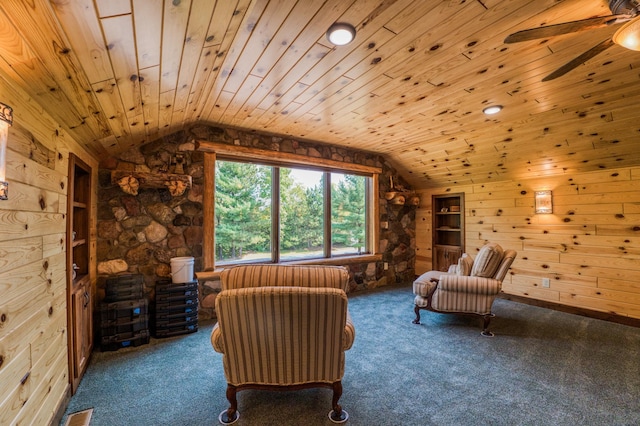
(176,308)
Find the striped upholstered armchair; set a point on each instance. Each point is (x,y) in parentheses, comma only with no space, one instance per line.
(470,287)
(283,327)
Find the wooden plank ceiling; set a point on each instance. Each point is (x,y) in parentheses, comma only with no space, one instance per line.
(412,86)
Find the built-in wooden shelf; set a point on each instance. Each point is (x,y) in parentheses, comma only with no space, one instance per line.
(79,291)
(448,225)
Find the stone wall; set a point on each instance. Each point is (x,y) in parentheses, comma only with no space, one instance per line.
(141,233)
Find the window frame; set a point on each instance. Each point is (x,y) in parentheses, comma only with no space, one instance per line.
(213,151)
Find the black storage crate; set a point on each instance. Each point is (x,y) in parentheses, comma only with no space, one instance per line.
(124,287)
(125,310)
(124,340)
(176,321)
(178,304)
(166,286)
(176,292)
(118,326)
(182,311)
(177,329)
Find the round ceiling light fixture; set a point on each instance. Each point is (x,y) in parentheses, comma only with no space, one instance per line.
(494,109)
(341,33)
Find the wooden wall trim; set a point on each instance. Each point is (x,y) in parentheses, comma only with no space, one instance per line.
(605,316)
(283,158)
(214,150)
(208,211)
(374,214)
(58,414)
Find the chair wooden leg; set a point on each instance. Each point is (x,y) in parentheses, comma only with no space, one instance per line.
(485,326)
(337,414)
(231,415)
(337,393)
(416,309)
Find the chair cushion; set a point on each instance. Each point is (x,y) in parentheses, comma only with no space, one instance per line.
(465,264)
(487,261)
(507,260)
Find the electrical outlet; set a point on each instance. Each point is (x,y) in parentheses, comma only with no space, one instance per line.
(546,282)
(386,266)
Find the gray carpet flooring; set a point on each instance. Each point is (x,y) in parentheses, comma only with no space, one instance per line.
(543,367)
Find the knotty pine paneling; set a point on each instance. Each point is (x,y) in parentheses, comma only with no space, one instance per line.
(47,372)
(14,396)
(411,86)
(589,247)
(33,300)
(119,36)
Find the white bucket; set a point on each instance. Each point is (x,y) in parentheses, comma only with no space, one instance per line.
(181,270)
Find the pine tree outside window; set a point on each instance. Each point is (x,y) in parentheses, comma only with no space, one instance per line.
(273,214)
(348,214)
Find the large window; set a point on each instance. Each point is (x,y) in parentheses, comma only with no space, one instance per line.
(272,213)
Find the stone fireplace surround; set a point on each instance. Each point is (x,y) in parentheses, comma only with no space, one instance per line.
(141,233)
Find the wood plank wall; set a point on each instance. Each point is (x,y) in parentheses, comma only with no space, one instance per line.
(589,247)
(33,312)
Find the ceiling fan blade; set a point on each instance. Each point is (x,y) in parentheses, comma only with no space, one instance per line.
(595,50)
(566,28)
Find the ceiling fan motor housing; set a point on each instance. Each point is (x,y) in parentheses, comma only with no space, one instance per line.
(624,7)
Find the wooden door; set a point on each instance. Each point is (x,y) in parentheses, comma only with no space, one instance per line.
(82,332)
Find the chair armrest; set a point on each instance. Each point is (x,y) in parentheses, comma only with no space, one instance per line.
(459,293)
(426,283)
(470,285)
(349,333)
(216,339)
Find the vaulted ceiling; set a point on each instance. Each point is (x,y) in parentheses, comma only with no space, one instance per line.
(412,86)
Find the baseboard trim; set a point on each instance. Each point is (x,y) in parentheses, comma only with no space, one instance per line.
(62,407)
(605,316)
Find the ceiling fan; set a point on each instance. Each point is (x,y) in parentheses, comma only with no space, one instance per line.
(622,11)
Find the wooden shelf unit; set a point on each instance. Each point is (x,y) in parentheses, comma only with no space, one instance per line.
(448,230)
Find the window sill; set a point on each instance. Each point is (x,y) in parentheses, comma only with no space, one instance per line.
(339,261)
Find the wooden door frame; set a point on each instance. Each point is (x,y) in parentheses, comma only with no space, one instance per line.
(74,163)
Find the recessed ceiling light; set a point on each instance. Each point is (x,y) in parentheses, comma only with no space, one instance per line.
(341,33)
(492,109)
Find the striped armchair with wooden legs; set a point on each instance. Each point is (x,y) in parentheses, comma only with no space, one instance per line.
(283,327)
(470,287)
